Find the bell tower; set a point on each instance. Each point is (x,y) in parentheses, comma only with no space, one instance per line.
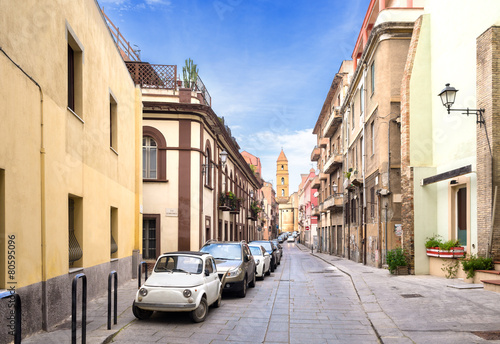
(282,190)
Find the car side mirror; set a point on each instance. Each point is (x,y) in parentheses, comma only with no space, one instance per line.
(207,273)
(266,254)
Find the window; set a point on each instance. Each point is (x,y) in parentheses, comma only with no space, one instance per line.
(149,158)
(361,101)
(282,167)
(113,224)
(461,216)
(372,74)
(113,124)
(352,116)
(150,236)
(372,132)
(282,181)
(209,266)
(372,202)
(208,167)
(154,155)
(353,211)
(75,72)
(283,192)
(75,231)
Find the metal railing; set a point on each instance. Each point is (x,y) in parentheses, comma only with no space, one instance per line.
(16,328)
(120,41)
(115,309)
(149,75)
(140,273)
(84,308)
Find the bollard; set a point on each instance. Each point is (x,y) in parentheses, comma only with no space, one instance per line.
(145,273)
(84,308)
(17,310)
(110,277)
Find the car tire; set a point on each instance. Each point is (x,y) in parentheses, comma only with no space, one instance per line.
(200,313)
(253,281)
(218,302)
(272,267)
(141,314)
(268,272)
(243,292)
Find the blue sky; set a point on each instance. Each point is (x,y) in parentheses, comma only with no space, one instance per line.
(267,64)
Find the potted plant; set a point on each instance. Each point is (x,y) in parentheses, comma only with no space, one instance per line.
(449,249)
(397,261)
(227,201)
(254,210)
(473,263)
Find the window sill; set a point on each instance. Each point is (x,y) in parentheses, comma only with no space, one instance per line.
(209,187)
(74,114)
(114,151)
(155,180)
(74,270)
(113,260)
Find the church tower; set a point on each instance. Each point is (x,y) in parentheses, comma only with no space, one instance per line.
(282,190)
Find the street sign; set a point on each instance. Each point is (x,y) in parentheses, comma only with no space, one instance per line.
(307,228)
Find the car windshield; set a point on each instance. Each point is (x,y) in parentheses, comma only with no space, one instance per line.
(256,251)
(223,251)
(183,264)
(266,245)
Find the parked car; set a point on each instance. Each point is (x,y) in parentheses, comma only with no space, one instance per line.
(180,282)
(281,239)
(262,260)
(236,259)
(280,249)
(271,249)
(290,239)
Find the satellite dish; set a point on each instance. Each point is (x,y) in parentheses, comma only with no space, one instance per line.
(316,194)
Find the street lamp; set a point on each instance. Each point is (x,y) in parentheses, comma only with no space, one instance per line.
(334,188)
(223,159)
(251,194)
(448,95)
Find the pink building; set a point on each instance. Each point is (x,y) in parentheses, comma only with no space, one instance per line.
(308,200)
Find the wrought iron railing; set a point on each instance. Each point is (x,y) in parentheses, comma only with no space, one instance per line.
(153,76)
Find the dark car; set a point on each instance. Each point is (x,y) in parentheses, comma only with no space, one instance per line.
(236,259)
(280,249)
(271,249)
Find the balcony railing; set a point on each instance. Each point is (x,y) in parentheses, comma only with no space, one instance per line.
(333,123)
(315,154)
(334,161)
(149,75)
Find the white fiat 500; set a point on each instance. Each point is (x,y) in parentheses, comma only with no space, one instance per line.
(180,282)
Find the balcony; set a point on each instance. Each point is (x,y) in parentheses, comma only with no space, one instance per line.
(229,202)
(323,142)
(316,183)
(323,176)
(162,77)
(315,154)
(332,163)
(333,201)
(333,123)
(315,211)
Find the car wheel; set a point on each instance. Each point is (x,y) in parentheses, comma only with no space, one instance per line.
(252,283)
(219,300)
(243,291)
(200,313)
(268,272)
(272,266)
(141,314)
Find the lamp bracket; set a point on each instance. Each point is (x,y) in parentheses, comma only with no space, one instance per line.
(478,112)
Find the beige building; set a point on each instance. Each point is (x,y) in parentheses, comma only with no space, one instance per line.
(288,205)
(371,110)
(70,187)
(328,154)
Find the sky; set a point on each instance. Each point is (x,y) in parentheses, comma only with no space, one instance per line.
(267,64)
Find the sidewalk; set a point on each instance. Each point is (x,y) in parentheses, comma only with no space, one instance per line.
(97,319)
(421,308)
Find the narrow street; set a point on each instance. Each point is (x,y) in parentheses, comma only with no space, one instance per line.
(304,301)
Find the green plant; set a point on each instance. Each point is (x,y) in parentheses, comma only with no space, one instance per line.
(395,258)
(255,207)
(473,263)
(190,74)
(433,241)
(450,268)
(448,245)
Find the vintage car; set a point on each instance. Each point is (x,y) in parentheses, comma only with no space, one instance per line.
(180,282)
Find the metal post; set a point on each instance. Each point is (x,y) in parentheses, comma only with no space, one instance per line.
(14,297)
(110,277)
(145,273)
(84,308)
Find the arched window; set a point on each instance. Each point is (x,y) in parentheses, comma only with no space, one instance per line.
(281,167)
(154,155)
(282,181)
(283,192)
(208,167)
(149,158)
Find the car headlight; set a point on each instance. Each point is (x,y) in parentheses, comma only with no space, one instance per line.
(234,272)
(186,293)
(143,292)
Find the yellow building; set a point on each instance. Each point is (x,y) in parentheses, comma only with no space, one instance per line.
(69,157)
(288,205)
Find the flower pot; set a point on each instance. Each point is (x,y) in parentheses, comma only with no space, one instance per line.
(454,252)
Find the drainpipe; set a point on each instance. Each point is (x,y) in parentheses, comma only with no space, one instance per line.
(42,198)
